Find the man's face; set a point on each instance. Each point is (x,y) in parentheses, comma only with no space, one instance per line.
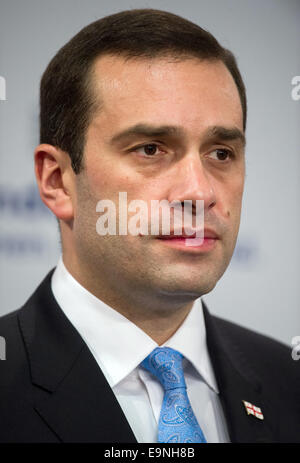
(155,138)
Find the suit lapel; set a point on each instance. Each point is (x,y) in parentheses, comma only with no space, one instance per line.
(71,394)
(237,381)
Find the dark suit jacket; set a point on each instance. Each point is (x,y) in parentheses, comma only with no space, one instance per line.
(52,389)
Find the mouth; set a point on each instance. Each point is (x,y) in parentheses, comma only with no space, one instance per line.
(191,242)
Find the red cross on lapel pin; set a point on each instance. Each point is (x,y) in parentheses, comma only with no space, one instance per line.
(253,410)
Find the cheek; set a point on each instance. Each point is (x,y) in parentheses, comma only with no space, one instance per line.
(230,199)
(105,182)
(235,204)
(108,178)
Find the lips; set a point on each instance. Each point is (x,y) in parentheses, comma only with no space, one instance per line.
(192,243)
(208,234)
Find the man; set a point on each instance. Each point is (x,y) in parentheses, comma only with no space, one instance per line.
(145,103)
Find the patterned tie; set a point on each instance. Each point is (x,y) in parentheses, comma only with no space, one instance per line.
(177,422)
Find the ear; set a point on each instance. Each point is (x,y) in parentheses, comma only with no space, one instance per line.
(55,178)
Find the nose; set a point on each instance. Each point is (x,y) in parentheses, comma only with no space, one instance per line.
(192,182)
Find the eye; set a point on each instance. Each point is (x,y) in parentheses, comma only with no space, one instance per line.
(148,150)
(221,154)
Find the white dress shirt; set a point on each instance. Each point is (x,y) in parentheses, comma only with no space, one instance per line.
(119,346)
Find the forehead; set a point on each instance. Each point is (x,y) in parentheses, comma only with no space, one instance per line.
(189,92)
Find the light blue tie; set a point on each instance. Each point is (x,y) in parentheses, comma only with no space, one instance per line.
(177,422)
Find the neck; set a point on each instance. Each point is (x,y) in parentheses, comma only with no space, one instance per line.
(159,316)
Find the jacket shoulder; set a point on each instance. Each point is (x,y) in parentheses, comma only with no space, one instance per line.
(270,358)
(9,330)
(16,356)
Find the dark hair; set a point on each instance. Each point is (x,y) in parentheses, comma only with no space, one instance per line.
(66,94)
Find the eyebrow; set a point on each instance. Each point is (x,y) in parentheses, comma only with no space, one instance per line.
(147,131)
(226,134)
(212,133)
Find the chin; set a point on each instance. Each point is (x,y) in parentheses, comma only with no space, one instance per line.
(188,290)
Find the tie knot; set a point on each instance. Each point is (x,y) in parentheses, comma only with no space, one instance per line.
(166,364)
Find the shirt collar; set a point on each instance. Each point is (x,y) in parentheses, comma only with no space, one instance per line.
(113,339)
(190,340)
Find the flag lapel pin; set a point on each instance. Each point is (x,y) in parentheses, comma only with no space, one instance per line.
(253,410)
